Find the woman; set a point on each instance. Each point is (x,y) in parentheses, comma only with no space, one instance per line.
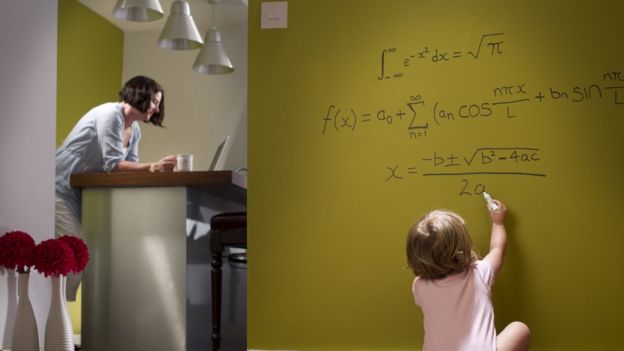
(106,139)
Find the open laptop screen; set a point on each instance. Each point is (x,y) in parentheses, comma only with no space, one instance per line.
(219,157)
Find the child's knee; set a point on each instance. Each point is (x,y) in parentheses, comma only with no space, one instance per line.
(520,327)
(515,337)
(522,331)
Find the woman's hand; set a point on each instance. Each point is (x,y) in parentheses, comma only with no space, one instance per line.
(165,164)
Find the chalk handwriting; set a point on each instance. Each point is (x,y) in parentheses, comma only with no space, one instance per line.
(418,116)
(489,44)
(482,161)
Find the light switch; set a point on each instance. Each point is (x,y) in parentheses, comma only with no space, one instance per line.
(274,14)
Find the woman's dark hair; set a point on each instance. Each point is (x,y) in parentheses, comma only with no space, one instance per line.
(139,91)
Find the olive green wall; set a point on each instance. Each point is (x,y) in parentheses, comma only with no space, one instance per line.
(90,62)
(363,115)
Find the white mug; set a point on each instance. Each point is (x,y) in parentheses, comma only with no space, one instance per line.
(184,163)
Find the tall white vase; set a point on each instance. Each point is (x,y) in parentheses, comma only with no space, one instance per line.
(59,331)
(25,332)
(8,320)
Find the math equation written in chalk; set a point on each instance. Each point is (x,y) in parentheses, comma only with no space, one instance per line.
(395,65)
(482,161)
(419,117)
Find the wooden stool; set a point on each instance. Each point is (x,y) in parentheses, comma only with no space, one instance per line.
(226,229)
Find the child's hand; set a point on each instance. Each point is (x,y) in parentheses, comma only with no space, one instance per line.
(499,215)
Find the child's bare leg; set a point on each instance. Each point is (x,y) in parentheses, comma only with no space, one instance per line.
(515,337)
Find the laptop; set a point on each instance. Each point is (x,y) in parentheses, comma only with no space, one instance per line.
(219,157)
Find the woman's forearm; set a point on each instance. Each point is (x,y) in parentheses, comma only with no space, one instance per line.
(129,166)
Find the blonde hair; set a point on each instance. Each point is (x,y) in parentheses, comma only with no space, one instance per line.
(439,245)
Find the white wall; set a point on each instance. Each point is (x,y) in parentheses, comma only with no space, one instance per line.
(201,110)
(28,38)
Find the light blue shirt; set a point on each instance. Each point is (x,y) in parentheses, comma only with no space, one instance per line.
(95,144)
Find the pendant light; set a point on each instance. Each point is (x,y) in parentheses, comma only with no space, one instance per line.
(138,10)
(212,58)
(180,31)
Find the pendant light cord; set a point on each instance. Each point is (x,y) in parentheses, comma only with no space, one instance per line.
(213,14)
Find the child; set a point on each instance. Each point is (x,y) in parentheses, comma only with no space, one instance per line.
(453,286)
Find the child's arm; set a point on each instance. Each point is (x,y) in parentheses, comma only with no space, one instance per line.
(498,241)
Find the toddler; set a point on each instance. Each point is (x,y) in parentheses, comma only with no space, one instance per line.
(453,286)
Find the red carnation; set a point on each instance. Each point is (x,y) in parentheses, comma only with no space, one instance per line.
(16,251)
(80,250)
(54,257)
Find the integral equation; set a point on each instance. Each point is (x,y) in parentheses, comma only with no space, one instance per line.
(489,44)
(419,116)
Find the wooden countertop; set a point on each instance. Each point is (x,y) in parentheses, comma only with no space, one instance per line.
(146,179)
(217,183)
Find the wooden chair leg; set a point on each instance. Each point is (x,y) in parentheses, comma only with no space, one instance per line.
(215,276)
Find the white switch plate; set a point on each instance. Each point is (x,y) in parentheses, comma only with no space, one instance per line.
(274,14)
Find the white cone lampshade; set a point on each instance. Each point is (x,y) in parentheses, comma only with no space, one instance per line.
(212,58)
(138,10)
(180,32)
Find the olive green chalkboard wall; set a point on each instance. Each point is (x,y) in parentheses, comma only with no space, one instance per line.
(365,114)
(90,61)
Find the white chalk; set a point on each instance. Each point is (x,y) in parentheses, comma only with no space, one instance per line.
(491,204)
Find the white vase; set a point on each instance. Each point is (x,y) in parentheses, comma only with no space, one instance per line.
(25,332)
(58,331)
(8,320)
